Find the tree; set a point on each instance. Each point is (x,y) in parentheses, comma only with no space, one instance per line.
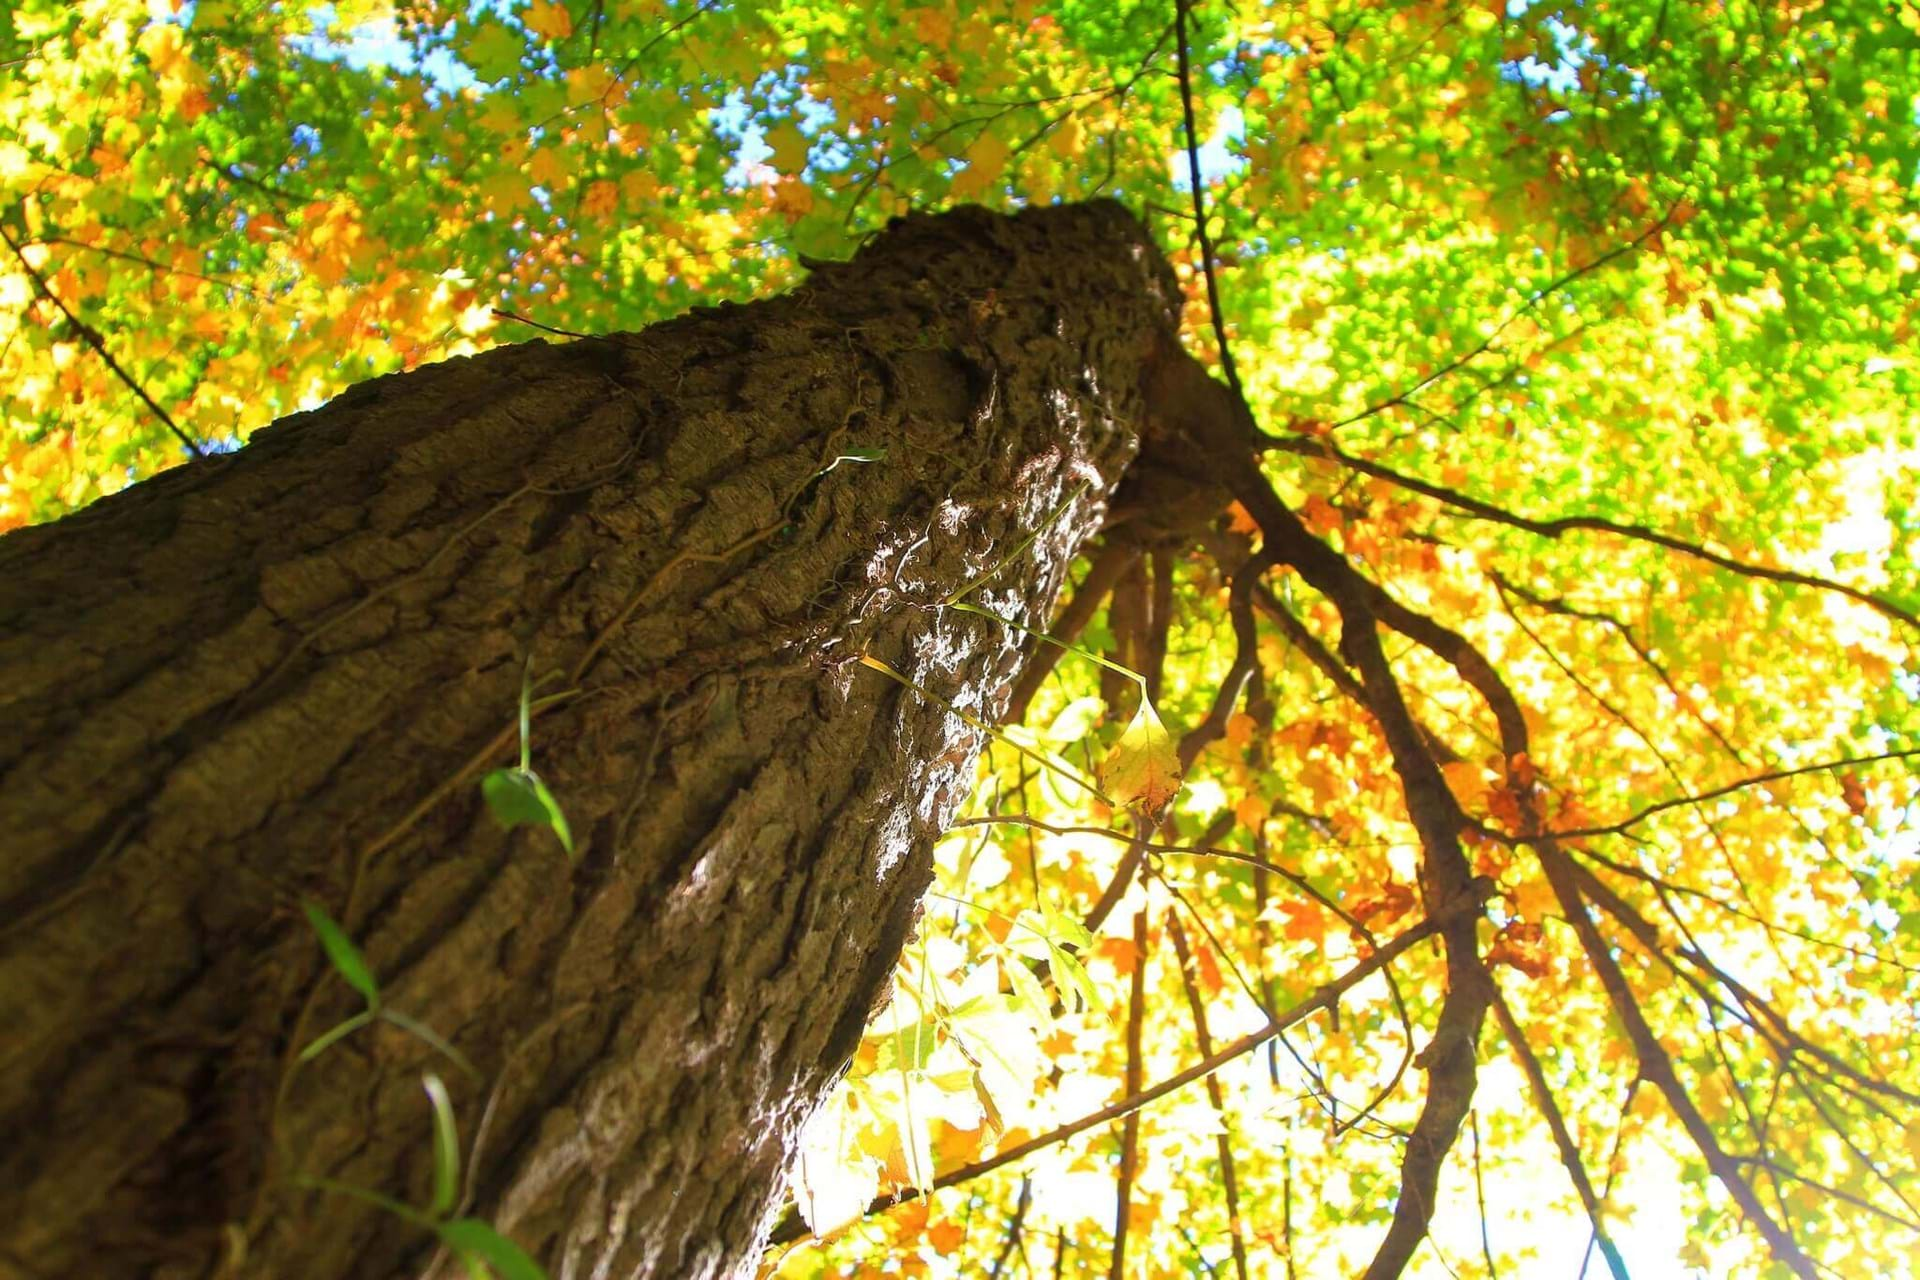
(1517,584)
(703,533)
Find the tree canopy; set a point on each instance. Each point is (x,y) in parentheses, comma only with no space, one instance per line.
(1582,331)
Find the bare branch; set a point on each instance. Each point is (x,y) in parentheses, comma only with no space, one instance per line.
(1223,1142)
(1181,14)
(1549,1109)
(1130,1126)
(791,1227)
(1313,446)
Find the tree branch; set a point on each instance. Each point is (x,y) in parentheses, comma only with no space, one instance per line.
(1130,1126)
(1318,447)
(1223,1143)
(1180,9)
(791,1227)
(1549,1109)
(1758,779)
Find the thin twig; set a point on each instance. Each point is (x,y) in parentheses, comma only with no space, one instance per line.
(1315,446)
(1758,779)
(1200,201)
(1533,300)
(1480,1196)
(1130,1127)
(791,1227)
(1223,1141)
(1549,1109)
(535,324)
(99,345)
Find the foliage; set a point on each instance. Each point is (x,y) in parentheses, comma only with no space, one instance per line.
(1584,328)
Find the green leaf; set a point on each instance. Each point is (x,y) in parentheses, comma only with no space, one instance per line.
(493,52)
(326,1039)
(472,1239)
(1067,930)
(344,956)
(515,796)
(910,1047)
(366,1195)
(1027,989)
(427,1035)
(446,1148)
(1070,975)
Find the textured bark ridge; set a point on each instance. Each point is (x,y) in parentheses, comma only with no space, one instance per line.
(279,676)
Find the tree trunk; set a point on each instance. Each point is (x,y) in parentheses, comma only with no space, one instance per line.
(278,677)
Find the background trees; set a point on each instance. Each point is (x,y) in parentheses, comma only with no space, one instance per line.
(1583,333)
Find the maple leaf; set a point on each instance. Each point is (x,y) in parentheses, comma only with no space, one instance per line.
(493,51)
(789,147)
(1142,770)
(548,18)
(241,271)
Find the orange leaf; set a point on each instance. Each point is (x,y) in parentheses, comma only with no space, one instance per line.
(1305,921)
(910,1219)
(1208,978)
(1117,952)
(1252,812)
(1320,516)
(1240,727)
(946,1236)
(1854,794)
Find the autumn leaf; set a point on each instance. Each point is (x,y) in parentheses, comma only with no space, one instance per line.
(1142,770)
(1442,252)
(945,1236)
(549,18)
(789,147)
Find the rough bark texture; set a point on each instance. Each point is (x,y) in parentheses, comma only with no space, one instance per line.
(279,676)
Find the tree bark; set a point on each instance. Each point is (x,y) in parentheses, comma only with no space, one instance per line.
(277,677)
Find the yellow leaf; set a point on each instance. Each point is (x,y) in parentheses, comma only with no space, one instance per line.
(833,1179)
(550,20)
(789,147)
(1068,139)
(639,185)
(585,84)
(988,154)
(549,167)
(504,192)
(1143,769)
